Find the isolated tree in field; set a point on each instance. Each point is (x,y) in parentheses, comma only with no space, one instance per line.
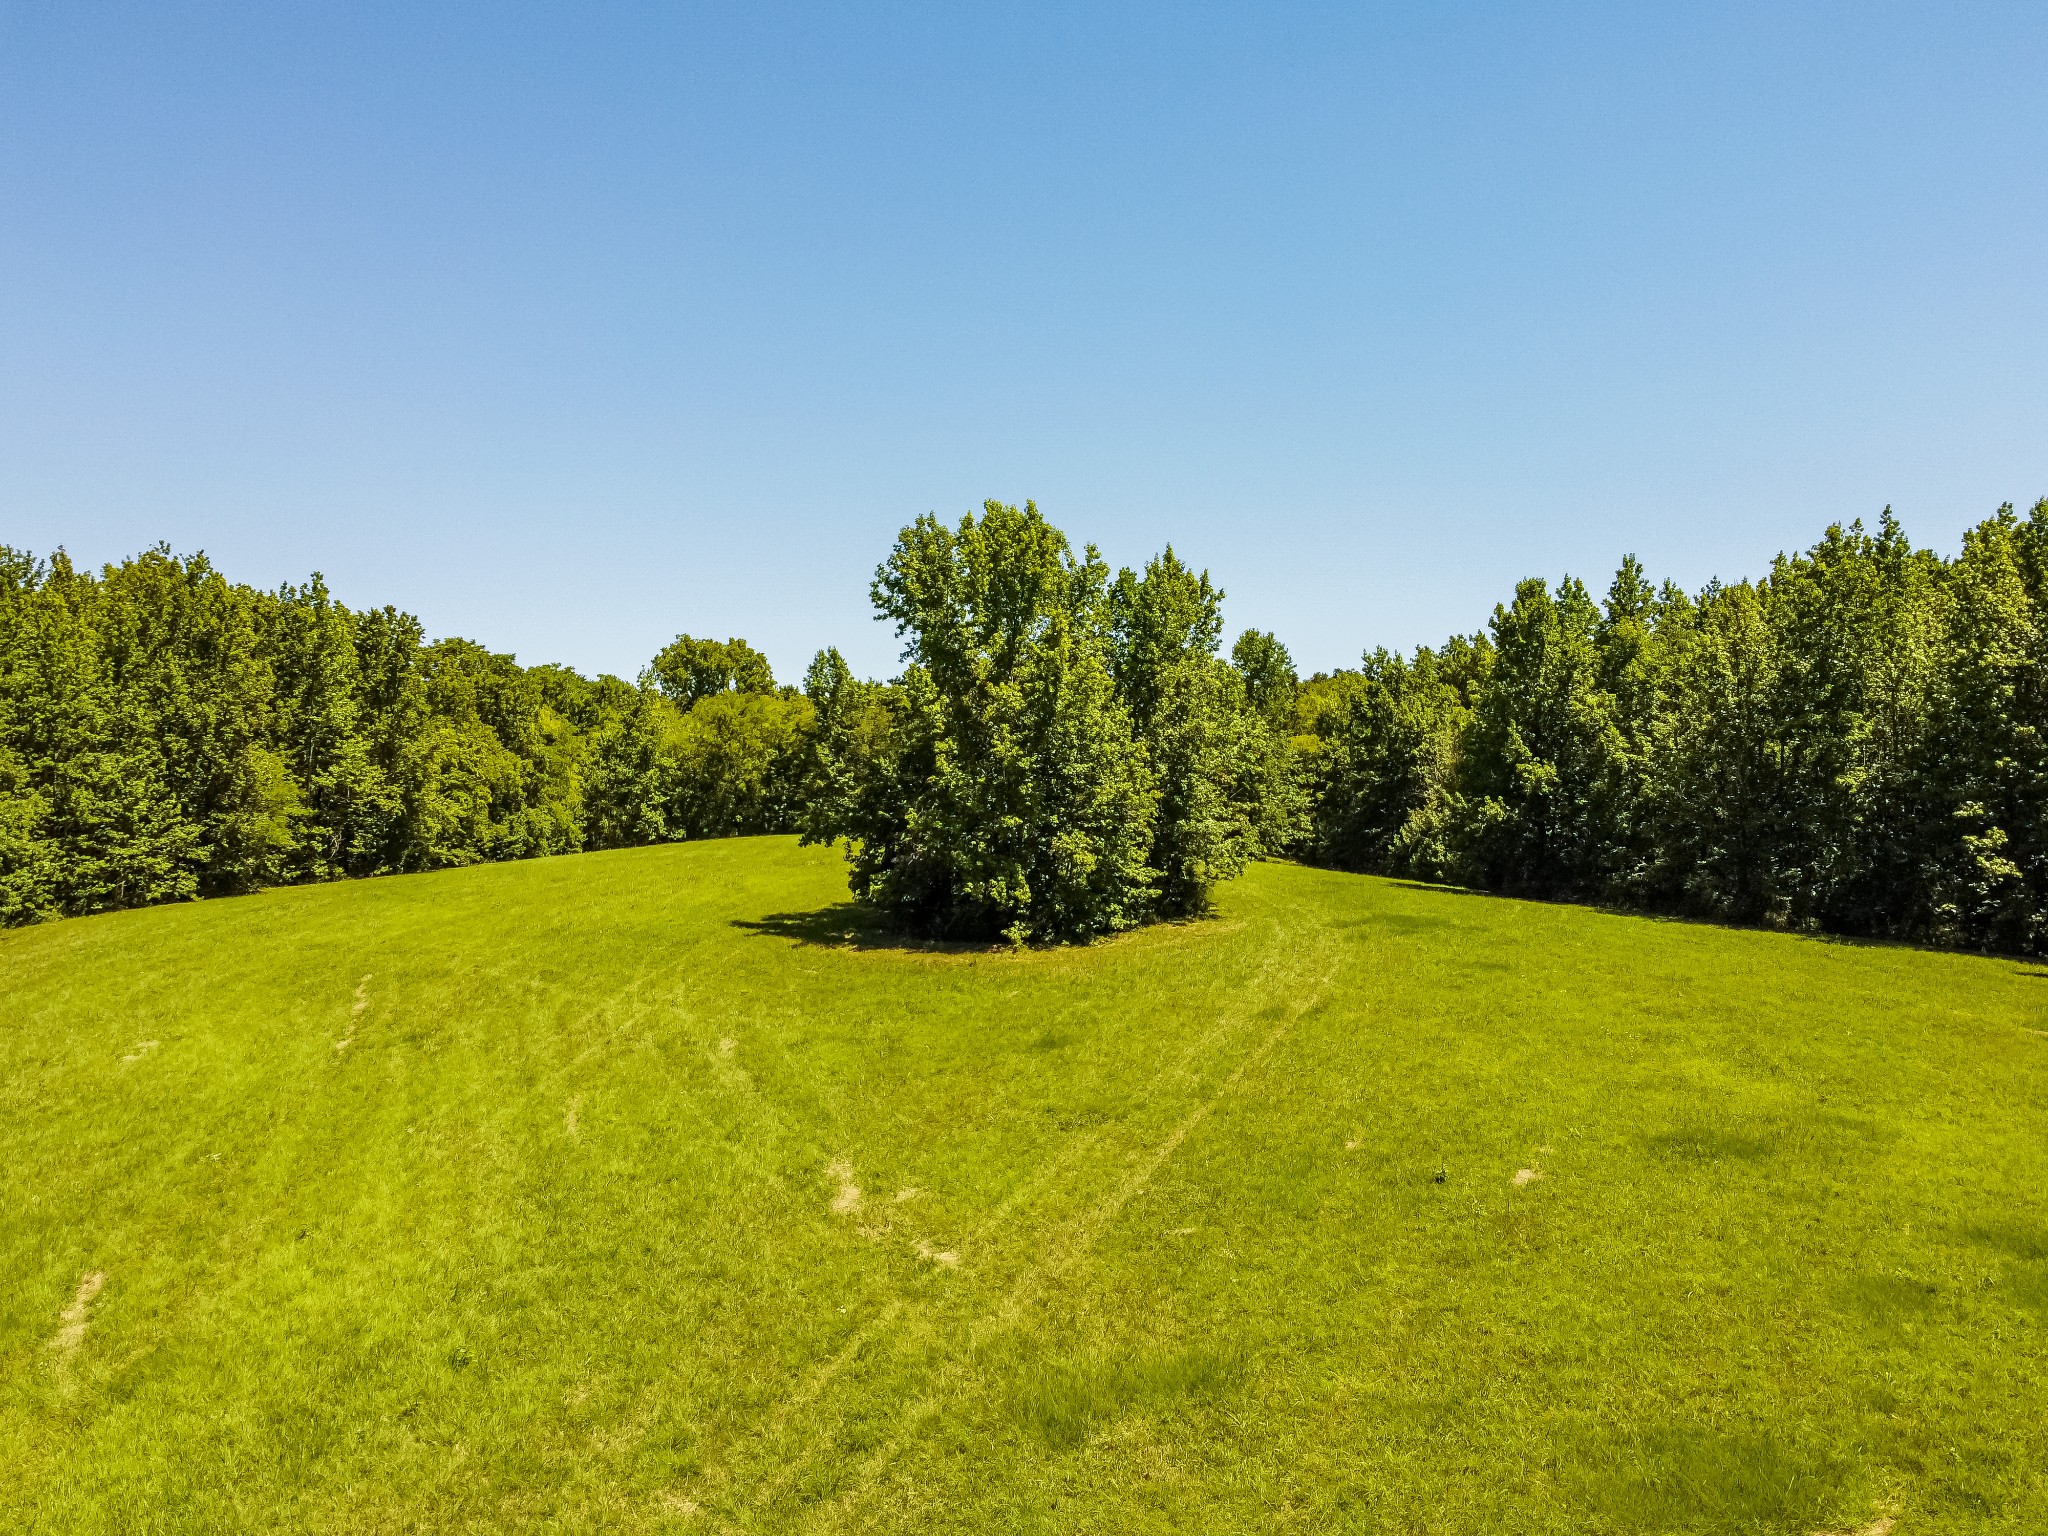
(1007,794)
(1062,757)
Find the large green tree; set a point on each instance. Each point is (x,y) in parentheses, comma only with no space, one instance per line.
(1227,789)
(1537,781)
(1011,795)
(689,670)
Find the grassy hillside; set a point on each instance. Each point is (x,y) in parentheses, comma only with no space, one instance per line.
(640,1191)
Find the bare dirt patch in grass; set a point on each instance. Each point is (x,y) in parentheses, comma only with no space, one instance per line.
(847,1200)
(142,1049)
(356,1006)
(78,1314)
(1526,1176)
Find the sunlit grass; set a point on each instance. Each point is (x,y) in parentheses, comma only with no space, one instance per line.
(505,1197)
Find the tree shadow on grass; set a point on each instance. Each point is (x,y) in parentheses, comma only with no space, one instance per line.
(849,925)
(2027,966)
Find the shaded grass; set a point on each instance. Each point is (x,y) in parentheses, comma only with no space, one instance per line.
(502,1198)
(1711,1143)
(1060,1403)
(1688,1478)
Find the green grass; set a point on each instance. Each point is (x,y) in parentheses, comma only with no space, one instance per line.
(1213,1227)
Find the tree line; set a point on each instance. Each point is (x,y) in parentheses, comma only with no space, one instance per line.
(1855,743)
(1063,756)
(1852,743)
(166,733)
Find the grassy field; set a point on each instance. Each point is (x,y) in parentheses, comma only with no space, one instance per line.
(643,1191)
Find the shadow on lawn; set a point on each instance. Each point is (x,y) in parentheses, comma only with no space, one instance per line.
(848,925)
(2027,966)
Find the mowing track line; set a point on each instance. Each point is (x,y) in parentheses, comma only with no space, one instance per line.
(1076,1240)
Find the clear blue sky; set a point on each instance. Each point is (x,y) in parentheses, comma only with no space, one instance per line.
(571,327)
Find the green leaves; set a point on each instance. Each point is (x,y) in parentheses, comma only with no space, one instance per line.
(1007,793)
(688,671)
(1858,742)
(166,734)
(1061,758)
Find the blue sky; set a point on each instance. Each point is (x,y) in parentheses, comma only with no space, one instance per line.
(572,327)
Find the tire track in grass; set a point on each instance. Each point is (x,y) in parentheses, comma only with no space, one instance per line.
(1052,1171)
(1073,1239)
(1079,1240)
(628,1014)
(1051,1174)
(767,1121)
(647,1016)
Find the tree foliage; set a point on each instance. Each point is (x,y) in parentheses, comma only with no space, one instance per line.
(165,733)
(689,670)
(1063,756)
(1853,743)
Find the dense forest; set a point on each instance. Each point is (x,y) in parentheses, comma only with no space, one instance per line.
(1852,743)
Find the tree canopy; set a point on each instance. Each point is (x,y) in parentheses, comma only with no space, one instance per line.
(1852,743)
(1061,755)
(1855,741)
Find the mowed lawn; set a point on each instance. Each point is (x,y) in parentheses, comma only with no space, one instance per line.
(644,1191)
